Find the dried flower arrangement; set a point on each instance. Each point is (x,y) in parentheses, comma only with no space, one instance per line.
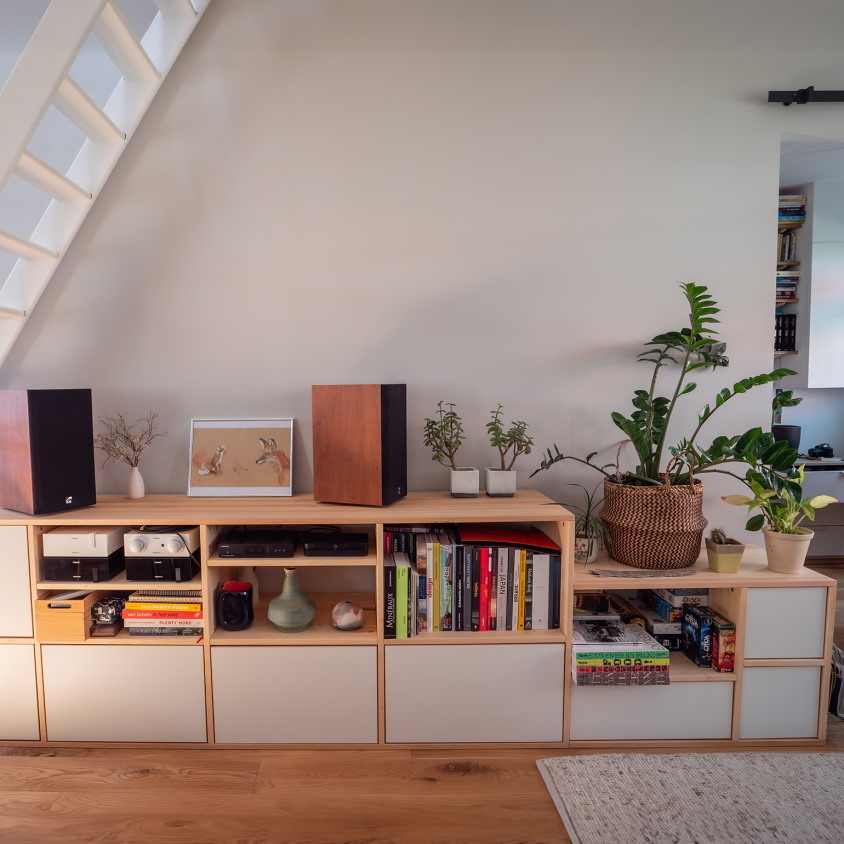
(122,443)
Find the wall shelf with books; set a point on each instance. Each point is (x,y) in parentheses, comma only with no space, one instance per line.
(792,215)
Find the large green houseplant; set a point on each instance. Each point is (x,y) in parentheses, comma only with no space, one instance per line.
(654,512)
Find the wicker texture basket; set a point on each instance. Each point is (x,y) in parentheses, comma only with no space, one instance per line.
(654,527)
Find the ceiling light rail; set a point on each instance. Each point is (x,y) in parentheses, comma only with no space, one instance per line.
(805,95)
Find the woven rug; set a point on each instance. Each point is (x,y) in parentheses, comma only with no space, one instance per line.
(699,798)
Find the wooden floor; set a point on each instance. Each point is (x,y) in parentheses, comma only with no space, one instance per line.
(289,797)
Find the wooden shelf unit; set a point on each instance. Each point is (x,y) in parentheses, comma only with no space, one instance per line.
(326,687)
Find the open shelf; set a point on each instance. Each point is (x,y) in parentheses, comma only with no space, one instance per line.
(486,637)
(119,582)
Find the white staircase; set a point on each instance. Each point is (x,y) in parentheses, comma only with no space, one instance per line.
(40,79)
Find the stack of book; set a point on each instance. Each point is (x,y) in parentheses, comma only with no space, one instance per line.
(785,332)
(164,613)
(607,652)
(792,208)
(470,578)
(787,285)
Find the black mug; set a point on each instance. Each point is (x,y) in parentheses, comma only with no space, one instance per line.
(234,605)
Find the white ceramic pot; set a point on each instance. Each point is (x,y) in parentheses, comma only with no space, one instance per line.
(500,483)
(787,551)
(586,549)
(135,485)
(465,482)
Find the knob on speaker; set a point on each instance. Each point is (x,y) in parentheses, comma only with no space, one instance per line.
(137,544)
(174,546)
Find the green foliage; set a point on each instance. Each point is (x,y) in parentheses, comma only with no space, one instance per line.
(514,439)
(444,434)
(785,398)
(718,536)
(587,522)
(691,348)
(780,499)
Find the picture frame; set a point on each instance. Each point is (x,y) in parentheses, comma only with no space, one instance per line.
(240,457)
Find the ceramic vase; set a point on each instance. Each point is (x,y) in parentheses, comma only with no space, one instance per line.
(465,482)
(500,483)
(291,611)
(586,549)
(247,574)
(787,551)
(135,485)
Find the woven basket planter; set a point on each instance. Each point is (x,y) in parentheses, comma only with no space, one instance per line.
(654,527)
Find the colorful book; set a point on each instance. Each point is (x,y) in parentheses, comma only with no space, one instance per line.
(540,604)
(402,562)
(502,556)
(168,607)
(483,588)
(165,631)
(163,622)
(127,614)
(390,597)
(422,571)
(446,582)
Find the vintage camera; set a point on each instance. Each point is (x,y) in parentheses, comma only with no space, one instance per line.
(822,450)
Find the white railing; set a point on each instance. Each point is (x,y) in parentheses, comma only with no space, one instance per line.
(41,79)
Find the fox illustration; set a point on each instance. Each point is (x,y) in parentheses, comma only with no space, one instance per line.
(209,464)
(276,458)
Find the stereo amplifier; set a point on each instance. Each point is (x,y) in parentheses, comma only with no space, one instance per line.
(169,542)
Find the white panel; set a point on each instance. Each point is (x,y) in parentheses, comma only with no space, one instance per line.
(295,694)
(826,352)
(124,693)
(677,711)
(780,702)
(15,597)
(785,623)
(474,693)
(19,710)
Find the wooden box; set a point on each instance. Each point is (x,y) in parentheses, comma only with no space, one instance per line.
(65,620)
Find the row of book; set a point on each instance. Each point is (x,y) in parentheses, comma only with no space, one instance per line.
(792,208)
(787,247)
(787,285)
(164,613)
(785,332)
(469,578)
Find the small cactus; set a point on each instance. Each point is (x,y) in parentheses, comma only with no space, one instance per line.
(718,536)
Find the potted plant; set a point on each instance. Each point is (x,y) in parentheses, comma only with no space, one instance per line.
(444,434)
(500,481)
(124,443)
(780,500)
(654,513)
(724,554)
(787,433)
(590,533)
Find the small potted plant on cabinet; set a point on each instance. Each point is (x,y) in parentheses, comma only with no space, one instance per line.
(500,481)
(444,435)
(724,554)
(780,500)
(590,533)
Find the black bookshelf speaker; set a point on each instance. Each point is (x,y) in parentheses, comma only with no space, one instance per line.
(360,443)
(46,450)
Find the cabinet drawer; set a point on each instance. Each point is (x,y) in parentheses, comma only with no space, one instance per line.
(469,693)
(19,711)
(15,597)
(124,693)
(295,695)
(780,702)
(678,711)
(785,623)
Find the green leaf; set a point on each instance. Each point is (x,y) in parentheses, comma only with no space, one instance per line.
(755,522)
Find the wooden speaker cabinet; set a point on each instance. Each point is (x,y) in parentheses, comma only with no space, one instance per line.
(360,443)
(46,450)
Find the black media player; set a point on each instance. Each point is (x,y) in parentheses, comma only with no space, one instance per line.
(258,543)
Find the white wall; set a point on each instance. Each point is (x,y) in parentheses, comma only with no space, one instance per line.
(489,201)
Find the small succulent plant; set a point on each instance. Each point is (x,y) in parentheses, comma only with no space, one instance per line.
(718,536)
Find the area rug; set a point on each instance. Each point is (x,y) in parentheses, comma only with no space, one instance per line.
(699,798)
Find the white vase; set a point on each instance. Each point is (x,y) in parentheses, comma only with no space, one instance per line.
(500,483)
(586,549)
(787,551)
(247,574)
(465,482)
(135,485)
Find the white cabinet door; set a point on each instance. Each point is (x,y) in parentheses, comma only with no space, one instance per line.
(780,702)
(678,711)
(19,709)
(785,623)
(468,693)
(124,693)
(295,695)
(15,597)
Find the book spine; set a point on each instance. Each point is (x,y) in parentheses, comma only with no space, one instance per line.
(446,581)
(514,567)
(435,576)
(483,601)
(389,598)
(165,631)
(422,570)
(401,601)
(540,606)
(457,587)
(163,622)
(468,563)
(501,589)
(127,614)
(476,588)
(556,586)
(529,590)
(134,605)
(522,572)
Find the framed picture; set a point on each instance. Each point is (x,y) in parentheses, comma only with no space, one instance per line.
(241,457)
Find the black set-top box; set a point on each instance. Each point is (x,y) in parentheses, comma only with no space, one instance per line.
(258,543)
(332,542)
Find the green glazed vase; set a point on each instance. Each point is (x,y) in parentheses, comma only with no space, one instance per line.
(291,611)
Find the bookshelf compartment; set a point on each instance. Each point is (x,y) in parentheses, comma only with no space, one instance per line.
(313,695)
(474,693)
(124,693)
(15,604)
(780,702)
(642,713)
(19,712)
